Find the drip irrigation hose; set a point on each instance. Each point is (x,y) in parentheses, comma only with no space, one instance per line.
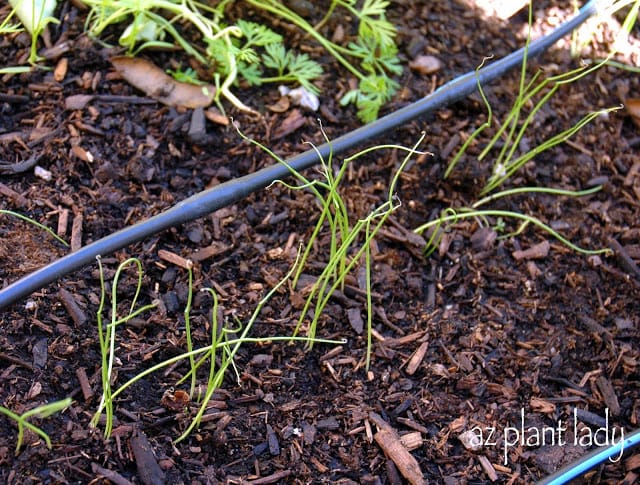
(591,460)
(235,190)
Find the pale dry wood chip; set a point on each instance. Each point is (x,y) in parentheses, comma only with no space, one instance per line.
(63,222)
(537,251)
(488,468)
(412,440)
(158,85)
(542,406)
(149,471)
(281,105)
(76,313)
(291,123)
(276,477)
(40,352)
(483,238)
(85,385)
(60,71)
(110,475)
(416,358)
(633,108)
(632,463)
(82,154)
(214,249)
(272,439)
(77,101)
(17,198)
(425,65)
(76,232)
(174,258)
(389,440)
(214,115)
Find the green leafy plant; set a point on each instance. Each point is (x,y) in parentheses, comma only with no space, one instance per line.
(34,16)
(258,48)
(44,411)
(374,48)
(349,241)
(254,52)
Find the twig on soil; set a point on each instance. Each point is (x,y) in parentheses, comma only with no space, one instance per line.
(273,478)
(148,469)
(625,261)
(389,440)
(18,167)
(115,477)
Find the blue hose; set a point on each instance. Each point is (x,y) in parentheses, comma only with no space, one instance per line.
(235,190)
(591,460)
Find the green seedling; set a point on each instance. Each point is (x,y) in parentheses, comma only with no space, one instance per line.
(349,242)
(44,411)
(536,92)
(35,223)
(107,336)
(6,27)
(220,354)
(374,48)
(450,217)
(34,16)
(254,52)
(514,127)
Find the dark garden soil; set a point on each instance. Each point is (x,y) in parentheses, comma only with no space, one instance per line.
(483,334)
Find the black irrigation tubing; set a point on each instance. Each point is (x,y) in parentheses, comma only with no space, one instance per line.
(235,190)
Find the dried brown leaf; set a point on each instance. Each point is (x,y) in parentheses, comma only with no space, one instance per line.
(155,83)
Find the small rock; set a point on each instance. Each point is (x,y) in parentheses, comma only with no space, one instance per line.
(425,64)
(197,129)
(301,97)
(470,440)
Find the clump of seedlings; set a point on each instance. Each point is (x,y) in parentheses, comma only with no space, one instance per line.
(220,354)
(350,240)
(532,94)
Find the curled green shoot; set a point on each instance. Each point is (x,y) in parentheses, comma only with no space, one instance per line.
(479,130)
(107,336)
(22,420)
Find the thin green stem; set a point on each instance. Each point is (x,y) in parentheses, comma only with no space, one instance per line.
(35,223)
(514,215)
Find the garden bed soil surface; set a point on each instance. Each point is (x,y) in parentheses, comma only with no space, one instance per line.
(484,334)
